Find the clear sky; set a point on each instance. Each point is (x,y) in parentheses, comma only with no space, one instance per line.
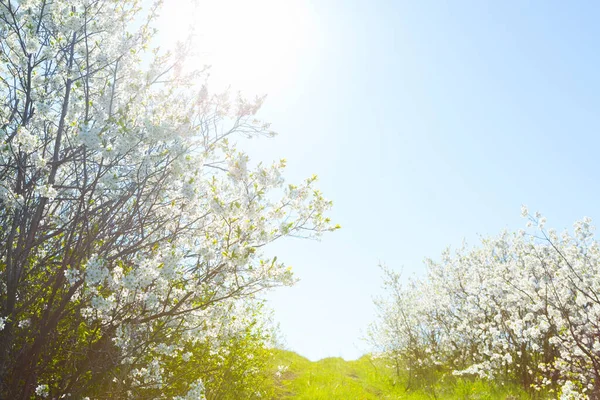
(427,122)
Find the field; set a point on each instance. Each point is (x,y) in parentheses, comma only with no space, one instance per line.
(366,379)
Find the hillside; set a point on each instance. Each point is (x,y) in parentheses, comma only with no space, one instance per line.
(366,379)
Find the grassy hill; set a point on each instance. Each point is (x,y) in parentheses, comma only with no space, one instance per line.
(366,379)
(334,378)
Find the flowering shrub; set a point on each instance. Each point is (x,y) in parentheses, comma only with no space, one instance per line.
(131,225)
(521,307)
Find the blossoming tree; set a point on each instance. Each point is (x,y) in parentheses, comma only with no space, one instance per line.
(521,308)
(130,224)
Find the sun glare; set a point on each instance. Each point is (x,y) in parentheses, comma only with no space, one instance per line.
(254,46)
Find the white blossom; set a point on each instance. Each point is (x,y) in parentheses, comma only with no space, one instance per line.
(42,391)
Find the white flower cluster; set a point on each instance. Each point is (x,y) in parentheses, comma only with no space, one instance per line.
(42,391)
(196,392)
(281,369)
(95,270)
(72,275)
(48,192)
(27,141)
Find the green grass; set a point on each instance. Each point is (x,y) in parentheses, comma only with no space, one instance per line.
(366,379)
(334,378)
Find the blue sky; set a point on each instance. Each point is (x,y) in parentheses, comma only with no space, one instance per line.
(427,122)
